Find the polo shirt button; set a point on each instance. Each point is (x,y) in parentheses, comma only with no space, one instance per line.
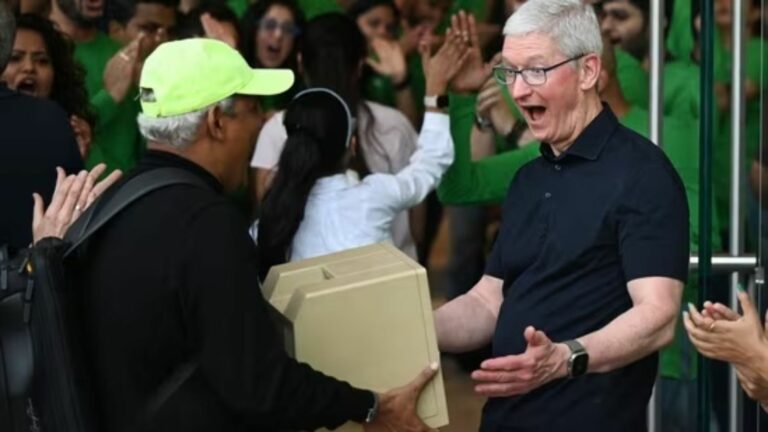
(558,167)
(547,195)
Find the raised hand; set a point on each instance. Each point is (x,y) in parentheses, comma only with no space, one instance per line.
(71,196)
(123,69)
(736,341)
(389,61)
(441,68)
(219,30)
(475,72)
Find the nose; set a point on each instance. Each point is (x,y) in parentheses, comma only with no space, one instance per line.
(519,88)
(27,65)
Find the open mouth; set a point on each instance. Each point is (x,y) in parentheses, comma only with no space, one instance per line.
(273,49)
(27,86)
(534,112)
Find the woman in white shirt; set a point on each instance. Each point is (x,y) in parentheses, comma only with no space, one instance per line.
(332,55)
(314,206)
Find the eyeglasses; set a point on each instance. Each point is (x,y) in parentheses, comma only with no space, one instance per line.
(271,25)
(531,76)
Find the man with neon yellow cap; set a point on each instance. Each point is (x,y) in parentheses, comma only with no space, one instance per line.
(173,278)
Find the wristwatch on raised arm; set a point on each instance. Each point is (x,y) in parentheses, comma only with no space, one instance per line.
(578,362)
(436,102)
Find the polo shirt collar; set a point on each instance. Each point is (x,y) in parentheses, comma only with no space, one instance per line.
(592,139)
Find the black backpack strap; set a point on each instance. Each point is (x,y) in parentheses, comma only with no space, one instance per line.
(100,212)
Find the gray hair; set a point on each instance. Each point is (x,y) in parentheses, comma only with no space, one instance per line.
(7,34)
(181,130)
(571,24)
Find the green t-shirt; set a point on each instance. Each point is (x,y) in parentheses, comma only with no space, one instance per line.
(478,8)
(682,97)
(238,6)
(633,79)
(680,141)
(755,55)
(116,140)
(313,8)
(468,182)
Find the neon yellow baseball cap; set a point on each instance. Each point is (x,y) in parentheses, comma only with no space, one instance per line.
(187,75)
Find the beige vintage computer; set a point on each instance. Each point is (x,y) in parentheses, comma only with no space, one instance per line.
(364,316)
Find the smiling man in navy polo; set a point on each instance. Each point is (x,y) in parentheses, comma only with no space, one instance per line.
(583,286)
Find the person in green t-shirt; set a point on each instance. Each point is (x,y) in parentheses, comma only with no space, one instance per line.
(111,74)
(313,8)
(269,38)
(386,77)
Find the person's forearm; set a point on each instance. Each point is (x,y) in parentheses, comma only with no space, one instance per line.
(465,323)
(483,144)
(633,335)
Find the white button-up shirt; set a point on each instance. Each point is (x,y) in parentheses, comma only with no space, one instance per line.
(343,212)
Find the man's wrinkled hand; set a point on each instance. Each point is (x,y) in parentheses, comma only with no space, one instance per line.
(542,362)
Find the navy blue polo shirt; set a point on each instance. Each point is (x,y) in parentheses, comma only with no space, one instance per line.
(576,228)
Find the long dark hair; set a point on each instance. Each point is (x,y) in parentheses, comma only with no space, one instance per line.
(332,53)
(317,125)
(249,25)
(68,88)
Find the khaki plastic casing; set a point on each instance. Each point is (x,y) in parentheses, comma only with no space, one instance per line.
(364,316)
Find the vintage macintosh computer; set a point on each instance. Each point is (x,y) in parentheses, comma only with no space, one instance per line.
(364,316)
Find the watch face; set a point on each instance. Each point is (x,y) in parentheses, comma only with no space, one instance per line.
(579,364)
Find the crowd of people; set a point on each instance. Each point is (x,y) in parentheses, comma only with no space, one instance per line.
(324,125)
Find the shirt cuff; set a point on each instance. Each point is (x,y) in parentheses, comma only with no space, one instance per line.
(436,121)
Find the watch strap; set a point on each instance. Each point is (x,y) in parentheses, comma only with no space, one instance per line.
(575,346)
(577,351)
(436,101)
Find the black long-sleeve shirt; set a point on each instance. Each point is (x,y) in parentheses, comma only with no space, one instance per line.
(174,277)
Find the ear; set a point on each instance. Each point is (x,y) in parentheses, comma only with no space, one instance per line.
(214,123)
(591,66)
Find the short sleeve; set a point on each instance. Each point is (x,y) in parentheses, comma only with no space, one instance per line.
(653,225)
(270,144)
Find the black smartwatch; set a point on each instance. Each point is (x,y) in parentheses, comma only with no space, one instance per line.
(438,102)
(578,362)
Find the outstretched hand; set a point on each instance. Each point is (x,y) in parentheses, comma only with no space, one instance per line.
(71,196)
(542,362)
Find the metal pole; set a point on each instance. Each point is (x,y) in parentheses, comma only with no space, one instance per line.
(727,264)
(705,183)
(737,156)
(655,125)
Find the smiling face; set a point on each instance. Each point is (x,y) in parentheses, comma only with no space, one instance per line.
(553,110)
(30,70)
(275,36)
